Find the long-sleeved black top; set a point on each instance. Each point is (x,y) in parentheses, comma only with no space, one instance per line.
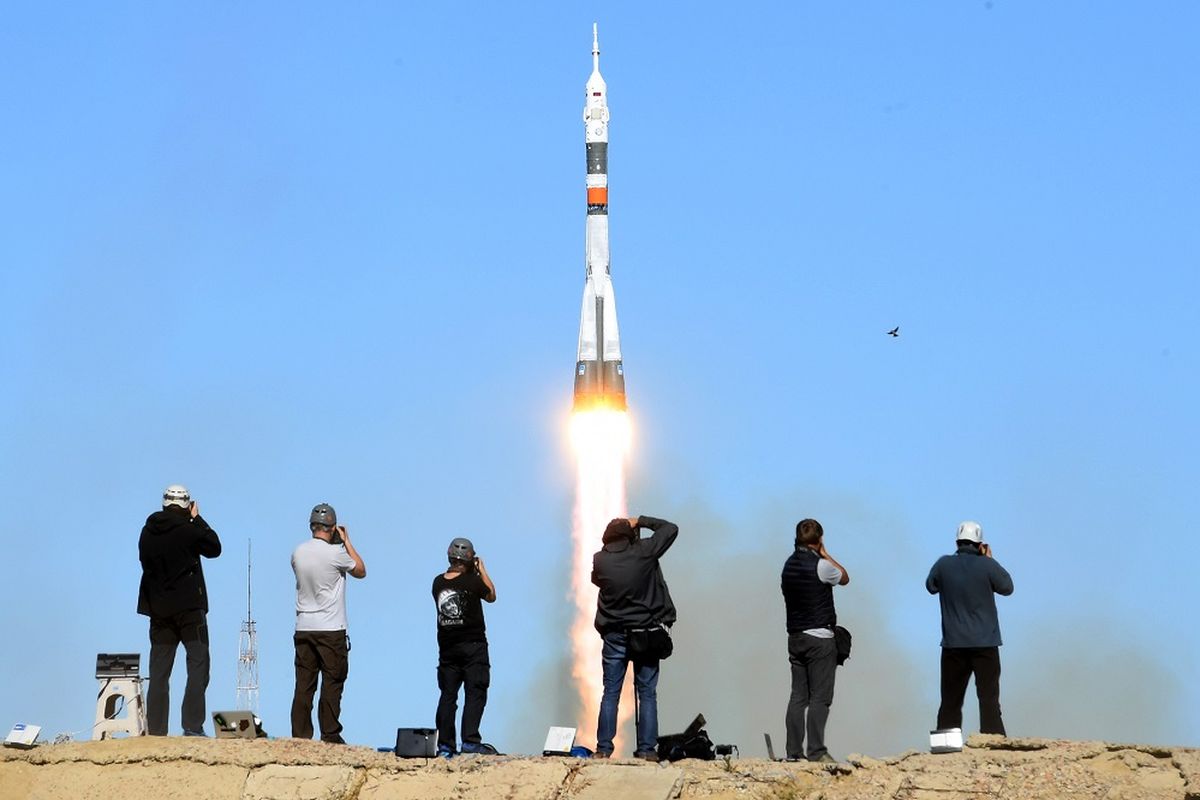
(170,548)
(633,592)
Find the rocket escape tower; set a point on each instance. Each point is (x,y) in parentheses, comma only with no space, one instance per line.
(247,680)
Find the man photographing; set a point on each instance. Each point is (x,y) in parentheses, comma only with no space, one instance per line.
(809,576)
(633,612)
(173,595)
(322,646)
(462,647)
(967,584)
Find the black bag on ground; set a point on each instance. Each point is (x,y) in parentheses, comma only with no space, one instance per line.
(841,638)
(692,743)
(651,642)
(416,742)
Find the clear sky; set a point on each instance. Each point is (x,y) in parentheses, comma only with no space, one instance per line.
(287,253)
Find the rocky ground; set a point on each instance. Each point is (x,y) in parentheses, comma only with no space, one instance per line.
(182,769)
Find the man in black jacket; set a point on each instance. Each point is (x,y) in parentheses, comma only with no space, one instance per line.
(174,597)
(633,600)
(809,576)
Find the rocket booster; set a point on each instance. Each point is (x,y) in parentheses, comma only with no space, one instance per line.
(599,376)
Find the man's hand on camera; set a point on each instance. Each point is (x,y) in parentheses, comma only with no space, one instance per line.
(194,509)
(341,531)
(479,564)
(986,549)
(635,522)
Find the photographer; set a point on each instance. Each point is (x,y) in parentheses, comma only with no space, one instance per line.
(633,613)
(173,595)
(322,645)
(967,584)
(807,582)
(462,647)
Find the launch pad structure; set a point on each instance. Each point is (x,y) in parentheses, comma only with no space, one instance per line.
(247,674)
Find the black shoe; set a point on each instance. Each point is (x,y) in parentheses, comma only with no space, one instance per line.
(647,755)
(480,749)
(199,733)
(335,739)
(601,754)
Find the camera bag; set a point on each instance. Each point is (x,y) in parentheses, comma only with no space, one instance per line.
(416,742)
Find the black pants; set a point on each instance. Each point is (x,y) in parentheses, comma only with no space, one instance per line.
(166,633)
(464,664)
(324,653)
(814,666)
(958,663)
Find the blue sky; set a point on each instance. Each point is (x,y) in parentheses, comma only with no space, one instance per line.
(293,253)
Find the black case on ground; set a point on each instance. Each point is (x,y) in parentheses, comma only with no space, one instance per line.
(416,742)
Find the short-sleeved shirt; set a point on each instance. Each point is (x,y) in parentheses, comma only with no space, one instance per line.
(460,608)
(321,569)
(826,573)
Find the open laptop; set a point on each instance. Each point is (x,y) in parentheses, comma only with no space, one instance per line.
(234,725)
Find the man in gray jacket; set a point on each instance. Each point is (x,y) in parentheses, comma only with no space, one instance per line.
(967,584)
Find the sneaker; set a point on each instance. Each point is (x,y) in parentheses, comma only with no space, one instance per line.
(445,752)
(199,733)
(824,758)
(480,749)
(646,755)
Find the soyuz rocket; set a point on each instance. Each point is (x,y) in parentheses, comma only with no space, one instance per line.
(599,376)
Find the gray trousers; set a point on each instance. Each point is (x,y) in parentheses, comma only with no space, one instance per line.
(814,663)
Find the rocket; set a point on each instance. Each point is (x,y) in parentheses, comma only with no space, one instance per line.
(599,376)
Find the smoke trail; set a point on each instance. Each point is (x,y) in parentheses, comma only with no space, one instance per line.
(601,440)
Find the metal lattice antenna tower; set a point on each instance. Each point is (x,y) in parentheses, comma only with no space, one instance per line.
(247,683)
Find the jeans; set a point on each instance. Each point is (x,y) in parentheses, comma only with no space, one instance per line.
(958,663)
(166,633)
(323,653)
(645,682)
(814,664)
(466,665)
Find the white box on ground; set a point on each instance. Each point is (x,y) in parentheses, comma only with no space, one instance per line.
(22,735)
(946,740)
(559,741)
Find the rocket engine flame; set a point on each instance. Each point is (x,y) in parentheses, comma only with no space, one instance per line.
(601,439)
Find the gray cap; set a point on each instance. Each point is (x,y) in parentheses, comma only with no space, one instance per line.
(461,550)
(323,515)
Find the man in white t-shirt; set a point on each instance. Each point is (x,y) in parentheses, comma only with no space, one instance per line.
(322,647)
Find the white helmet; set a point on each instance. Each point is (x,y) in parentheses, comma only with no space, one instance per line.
(176,495)
(969,531)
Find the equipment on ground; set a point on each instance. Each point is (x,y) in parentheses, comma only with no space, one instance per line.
(692,743)
(416,742)
(946,740)
(237,725)
(120,684)
(22,736)
(559,742)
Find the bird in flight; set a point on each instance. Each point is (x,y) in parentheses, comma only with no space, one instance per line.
(894,332)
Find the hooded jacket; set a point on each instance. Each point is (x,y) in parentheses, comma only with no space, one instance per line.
(633,592)
(170,548)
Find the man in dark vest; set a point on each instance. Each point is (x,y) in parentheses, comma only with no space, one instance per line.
(173,595)
(967,584)
(809,576)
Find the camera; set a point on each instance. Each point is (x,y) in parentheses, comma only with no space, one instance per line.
(335,537)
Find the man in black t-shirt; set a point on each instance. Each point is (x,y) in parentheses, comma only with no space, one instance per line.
(462,647)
